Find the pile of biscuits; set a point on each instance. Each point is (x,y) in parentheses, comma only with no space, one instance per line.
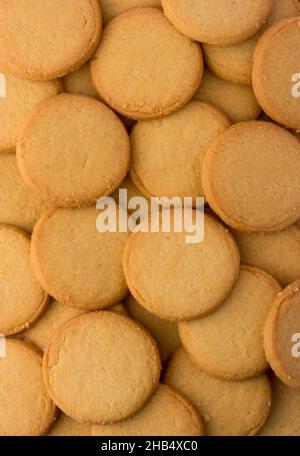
(118,333)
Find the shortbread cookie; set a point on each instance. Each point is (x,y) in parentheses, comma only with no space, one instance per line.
(237,101)
(151,73)
(80,82)
(78,265)
(63,36)
(284,418)
(21,96)
(228,408)
(19,205)
(234,63)
(26,408)
(229,343)
(167,154)
(282,336)
(66,426)
(166,414)
(171,278)
(132,192)
(112,363)
(218,22)
(22,300)
(276,253)
(165,332)
(73,150)
(276,72)
(55,316)
(112,8)
(251,177)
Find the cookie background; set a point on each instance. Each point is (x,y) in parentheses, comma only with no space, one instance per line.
(141,334)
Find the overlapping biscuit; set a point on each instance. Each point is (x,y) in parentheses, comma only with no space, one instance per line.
(72,280)
(124,361)
(229,343)
(65,35)
(154,48)
(228,408)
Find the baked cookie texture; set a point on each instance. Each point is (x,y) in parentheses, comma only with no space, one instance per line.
(274,68)
(112,8)
(65,154)
(174,148)
(165,332)
(277,253)
(80,82)
(250,162)
(56,315)
(159,332)
(201,21)
(167,65)
(237,101)
(234,63)
(284,415)
(170,278)
(228,408)
(281,332)
(125,363)
(27,409)
(166,414)
(21,305)
(66,426)
(21,97)
(226,345)
(19,205)
(68,281)
(65,35)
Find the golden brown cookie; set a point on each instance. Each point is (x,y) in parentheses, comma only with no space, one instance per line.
(228,408)
(276,72)
(251,177)
(112,363)
(167,154)
(234,63)
(19,205)
(130,187)
(66,154)
(55,316)
(171,278)
(282,335)
(276,253)
(165,332)
(78,265)
(229,343)
(112,8)
(218,22)
(26,408)
(21,96)
(237,101)
(63,36)
(66,426)
(151,73)
(80,82)
(284,418)
(166,414)
(22,300)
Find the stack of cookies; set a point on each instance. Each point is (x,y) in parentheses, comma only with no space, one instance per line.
(110,333)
